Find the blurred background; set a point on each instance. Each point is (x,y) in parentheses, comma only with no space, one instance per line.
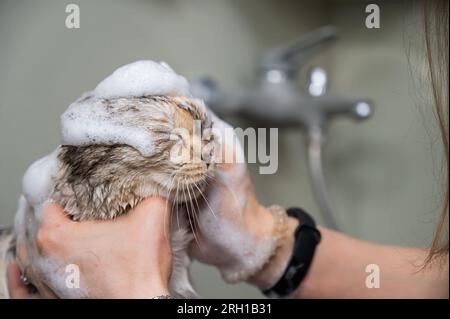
(382,174)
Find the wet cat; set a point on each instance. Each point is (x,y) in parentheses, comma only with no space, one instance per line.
(104,181)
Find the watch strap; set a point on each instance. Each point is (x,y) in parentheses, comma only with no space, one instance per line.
(307,236)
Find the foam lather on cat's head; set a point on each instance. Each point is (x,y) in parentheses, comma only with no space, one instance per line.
(89,121)
(142,78)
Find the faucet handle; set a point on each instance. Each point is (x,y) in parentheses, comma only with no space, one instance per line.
(288,58)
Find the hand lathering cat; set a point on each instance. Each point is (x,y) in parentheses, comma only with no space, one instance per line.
(116,151)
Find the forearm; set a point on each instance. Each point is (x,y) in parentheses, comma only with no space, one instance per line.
(338,269)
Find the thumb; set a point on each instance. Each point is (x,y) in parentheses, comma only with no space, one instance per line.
(53,215)
(153,212)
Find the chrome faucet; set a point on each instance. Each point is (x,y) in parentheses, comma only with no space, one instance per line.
(278,102)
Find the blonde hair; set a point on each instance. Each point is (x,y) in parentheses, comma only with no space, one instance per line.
(435,19)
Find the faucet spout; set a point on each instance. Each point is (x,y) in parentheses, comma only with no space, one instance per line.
(277,102)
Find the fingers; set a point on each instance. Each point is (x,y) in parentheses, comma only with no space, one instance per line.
(53,215)
(17,289)
(152,203)
(153,212)
(55,224)
(22,254)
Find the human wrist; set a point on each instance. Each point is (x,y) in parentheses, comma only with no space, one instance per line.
(142,291)
(274,269)
(265,228)
(133,284)
(260,222)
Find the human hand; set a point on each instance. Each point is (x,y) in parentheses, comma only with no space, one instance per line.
(16,287)
(129,257)
(236,233)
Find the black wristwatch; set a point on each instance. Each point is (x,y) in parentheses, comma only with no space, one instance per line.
(307,236)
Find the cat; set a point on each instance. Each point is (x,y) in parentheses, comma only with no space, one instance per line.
(104,181)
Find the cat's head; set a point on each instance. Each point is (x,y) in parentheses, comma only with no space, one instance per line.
(177,167)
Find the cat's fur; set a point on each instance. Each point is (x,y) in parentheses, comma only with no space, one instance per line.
(106,181)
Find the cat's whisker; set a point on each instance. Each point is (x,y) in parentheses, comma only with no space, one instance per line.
(170,186)
(191,212)
(196,216)
(176,198)
(206,201)
(189,217)
(209,179)
(210,176)
(177,204)
(198,211)
(191,201)
(189,206)
(196,201)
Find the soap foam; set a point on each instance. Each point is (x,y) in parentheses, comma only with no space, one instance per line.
(85,122)
(89,122)
(37,183)
(142,78)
